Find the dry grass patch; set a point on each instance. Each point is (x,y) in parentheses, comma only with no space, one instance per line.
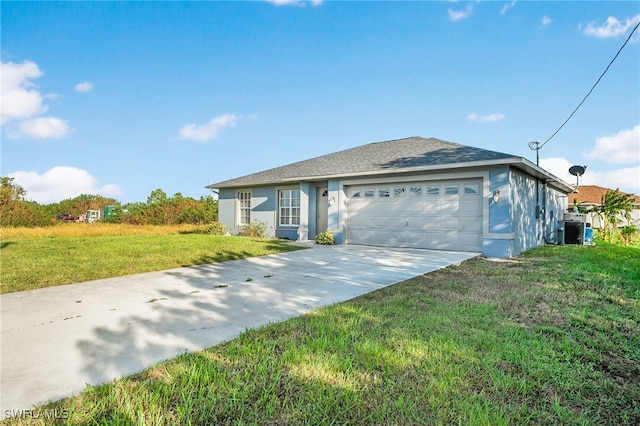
(71,230)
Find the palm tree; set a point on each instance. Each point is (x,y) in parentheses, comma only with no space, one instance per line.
(615,206)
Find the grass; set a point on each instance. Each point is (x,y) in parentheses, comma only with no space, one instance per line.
(67,230)
(72,253)
(550,337)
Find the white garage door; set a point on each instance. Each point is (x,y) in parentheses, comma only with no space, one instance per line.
(443,215)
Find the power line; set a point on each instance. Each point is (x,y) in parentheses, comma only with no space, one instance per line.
(538,146)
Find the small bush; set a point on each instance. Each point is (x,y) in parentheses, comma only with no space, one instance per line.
(254,229)
(215,228)
(627,233)
(325,238)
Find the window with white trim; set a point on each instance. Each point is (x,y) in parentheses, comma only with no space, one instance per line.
(471,188)
(451,190)
(244,207)
(289,207)
(415,191)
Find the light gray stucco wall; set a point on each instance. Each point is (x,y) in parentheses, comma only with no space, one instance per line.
(498,241)
(526,200)
(337,207)
(537,210)
(226,209)
(262,208)
(525,217)
(556,204)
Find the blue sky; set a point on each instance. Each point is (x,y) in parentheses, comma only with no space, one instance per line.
(121,98)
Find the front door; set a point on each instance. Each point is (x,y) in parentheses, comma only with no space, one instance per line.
(322,209)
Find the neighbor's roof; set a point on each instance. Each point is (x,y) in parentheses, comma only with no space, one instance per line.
(390,157)
(592,194)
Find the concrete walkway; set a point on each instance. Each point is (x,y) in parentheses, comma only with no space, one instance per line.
(57,340)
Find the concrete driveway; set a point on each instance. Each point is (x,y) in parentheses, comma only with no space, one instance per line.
(57,340)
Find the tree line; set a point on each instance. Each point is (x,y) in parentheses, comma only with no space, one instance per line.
(159,209)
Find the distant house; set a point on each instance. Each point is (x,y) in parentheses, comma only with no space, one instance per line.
(412,192)
(589,196)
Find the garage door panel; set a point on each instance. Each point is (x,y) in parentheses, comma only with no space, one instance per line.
(432,226)
(472,206)
(410,208)
(438,215)
(450,206)
(450,223)
(379,222)
(432,207)
(470,224)
(396,222)
(415,239)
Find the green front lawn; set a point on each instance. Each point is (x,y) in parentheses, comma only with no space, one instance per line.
(549,337)
(32,263)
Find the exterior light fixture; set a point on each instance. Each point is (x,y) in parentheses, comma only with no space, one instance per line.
(496,196)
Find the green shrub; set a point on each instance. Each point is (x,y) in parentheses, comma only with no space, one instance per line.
(215,228)
(254,229)
(627,233)
(325,238)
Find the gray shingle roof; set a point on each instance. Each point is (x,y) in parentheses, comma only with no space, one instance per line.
(392,156)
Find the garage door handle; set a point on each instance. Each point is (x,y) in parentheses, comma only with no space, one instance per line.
(406,222)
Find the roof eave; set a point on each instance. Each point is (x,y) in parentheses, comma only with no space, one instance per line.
(540,173)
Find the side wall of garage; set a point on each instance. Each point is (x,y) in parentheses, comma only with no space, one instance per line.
(537,208)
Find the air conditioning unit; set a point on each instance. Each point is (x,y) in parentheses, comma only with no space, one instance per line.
(575,228)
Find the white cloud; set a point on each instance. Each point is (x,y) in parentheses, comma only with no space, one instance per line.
(84,87)
(22,105)
(622,147)
(626,179)
(611,28)
(545,21)
(42,128)
(497,116)
(456,15)
(19,100)
(61,183)
(559,167)
(506,7)
(208,131)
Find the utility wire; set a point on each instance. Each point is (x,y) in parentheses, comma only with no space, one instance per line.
(594,86)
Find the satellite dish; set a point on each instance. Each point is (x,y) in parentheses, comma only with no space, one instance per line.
(577,171)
